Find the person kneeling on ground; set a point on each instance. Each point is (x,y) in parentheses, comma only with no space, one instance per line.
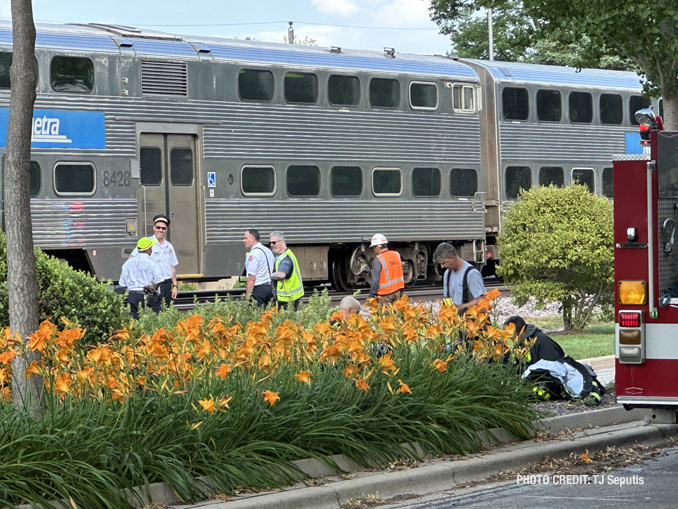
(544,348)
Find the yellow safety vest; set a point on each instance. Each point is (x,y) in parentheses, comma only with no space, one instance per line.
(291,289)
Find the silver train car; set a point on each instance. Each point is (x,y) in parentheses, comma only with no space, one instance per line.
(327,144)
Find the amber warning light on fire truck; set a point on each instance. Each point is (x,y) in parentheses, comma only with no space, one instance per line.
(632,292)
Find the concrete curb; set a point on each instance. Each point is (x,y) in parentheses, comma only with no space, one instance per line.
(443,475)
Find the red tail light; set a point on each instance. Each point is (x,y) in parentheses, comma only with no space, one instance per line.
(629,319)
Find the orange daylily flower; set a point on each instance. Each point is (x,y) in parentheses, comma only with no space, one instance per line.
(440,365)
(223,370)
(271,397)
(404,387)
(386,363)
(33,369)
(493,294)
(224,401)
(207,405)
(6,357)
(303,377)
(63,384)
(362,385)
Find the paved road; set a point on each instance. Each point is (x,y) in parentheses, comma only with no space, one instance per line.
(658,491)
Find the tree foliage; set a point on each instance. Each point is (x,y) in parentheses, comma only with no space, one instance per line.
(643,31)
(557,245)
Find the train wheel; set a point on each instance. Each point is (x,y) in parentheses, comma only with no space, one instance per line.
(339,278)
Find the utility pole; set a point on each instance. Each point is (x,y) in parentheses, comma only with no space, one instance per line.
(290,33)
(490,50)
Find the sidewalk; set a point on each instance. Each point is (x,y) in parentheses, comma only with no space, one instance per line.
(603,366)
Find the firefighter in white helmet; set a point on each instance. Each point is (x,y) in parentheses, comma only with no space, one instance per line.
(387,272)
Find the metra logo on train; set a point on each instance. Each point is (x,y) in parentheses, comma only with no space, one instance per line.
(47,129)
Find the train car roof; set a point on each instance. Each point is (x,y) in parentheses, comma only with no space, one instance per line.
(559,75)
(109,39)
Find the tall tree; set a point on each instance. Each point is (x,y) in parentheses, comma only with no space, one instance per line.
(21,277)
(643,31)
(513,32)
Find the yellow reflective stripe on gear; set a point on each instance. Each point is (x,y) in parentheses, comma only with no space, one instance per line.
(291,289)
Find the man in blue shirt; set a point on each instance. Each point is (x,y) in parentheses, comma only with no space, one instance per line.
(463,284)
(141,276)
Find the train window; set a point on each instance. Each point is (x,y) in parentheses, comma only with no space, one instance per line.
(517,178)
(661,108)
(607,183)
(74,178)
(463,182)
(515,103)
(151,166)
(387,182)
(384,93)
(257,180)
(343,90)
(303,180)
(181,167)
(35,179)
(585,177)
(426,182)
(549,107)
(301,87)
(5,64)
(346,181)
(423,96)
(611,109)
(72,74)
(581,107)
(551,176)
(463,98)
(255,85)
(637,102)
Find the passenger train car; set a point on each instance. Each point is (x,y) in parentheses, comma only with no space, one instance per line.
(327,144)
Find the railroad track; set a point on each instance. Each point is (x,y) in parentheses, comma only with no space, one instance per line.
(186,301)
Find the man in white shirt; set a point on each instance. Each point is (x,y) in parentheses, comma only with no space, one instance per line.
(165,256)
(141,275)
(259,267)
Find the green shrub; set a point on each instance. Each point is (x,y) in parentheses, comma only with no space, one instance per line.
(68,293)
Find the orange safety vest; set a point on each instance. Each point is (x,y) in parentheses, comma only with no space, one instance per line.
(391,277)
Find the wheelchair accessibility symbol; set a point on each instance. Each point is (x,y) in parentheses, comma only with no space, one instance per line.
(211,179)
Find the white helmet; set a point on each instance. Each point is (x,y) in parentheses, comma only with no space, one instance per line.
(378,240)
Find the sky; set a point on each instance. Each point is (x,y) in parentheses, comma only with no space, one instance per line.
(357,24)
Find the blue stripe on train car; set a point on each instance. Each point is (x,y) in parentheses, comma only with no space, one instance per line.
(633,143)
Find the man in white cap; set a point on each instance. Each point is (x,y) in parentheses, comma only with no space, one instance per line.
(166,257)
(259,267)
(141,275)
(387,272)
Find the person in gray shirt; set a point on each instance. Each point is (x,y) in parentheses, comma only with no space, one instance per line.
(462,295)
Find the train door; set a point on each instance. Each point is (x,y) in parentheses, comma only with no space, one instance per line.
(169,184)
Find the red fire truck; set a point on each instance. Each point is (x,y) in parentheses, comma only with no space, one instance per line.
(646,268)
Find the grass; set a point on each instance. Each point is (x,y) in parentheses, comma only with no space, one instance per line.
(595,341)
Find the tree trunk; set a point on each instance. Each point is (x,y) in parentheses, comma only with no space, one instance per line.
(567,314)
(670,118)
(21,276)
